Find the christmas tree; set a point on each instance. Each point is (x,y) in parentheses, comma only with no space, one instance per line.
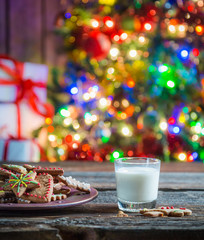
(133,84)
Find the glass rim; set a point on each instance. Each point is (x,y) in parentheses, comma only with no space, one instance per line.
(130,160)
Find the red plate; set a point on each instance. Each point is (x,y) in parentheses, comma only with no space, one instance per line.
(75,198)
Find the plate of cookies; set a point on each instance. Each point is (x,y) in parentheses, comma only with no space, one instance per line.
(36,188)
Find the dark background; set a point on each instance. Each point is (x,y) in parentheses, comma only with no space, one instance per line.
(26,30)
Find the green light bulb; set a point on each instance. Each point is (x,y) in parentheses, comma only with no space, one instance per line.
(170,84)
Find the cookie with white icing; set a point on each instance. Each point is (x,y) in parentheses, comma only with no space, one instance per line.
(58,197)
(73,183)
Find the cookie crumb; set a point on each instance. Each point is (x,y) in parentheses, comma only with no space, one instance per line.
(121,214)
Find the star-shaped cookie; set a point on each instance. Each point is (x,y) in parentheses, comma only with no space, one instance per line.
(42,194)
(18,183)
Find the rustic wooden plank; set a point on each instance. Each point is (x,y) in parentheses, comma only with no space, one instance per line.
(34,233)
(173,198)
(97,220)
(91,166)
(25,30)
(89,233)
(176,181)
(3,25)
(51,41)
(106,202)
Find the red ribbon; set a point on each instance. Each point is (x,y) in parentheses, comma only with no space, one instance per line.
(24,90)
(6,150)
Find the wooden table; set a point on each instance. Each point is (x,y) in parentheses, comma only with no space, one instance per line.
(97,219)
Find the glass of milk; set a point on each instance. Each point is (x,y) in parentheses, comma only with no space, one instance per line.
(137,181)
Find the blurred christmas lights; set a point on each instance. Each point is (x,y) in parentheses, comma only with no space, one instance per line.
(129,82)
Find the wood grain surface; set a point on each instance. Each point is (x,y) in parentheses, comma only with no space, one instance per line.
(97,219)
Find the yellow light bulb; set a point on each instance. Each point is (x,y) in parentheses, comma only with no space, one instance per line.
(181,28)
(141,39)
(110,70)
(172,29)
(76,137)
(123,36)
(163,125)
(182,156)
(52,138)
(109,23)
(114,52)
(94,23)
(133,53)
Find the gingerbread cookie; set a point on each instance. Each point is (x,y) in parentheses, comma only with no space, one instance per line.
(61,188)
(58,197)
(22,201)
(166,211)
(73,183)
(30,184)
(15,168)
(42,194)
(1,184)
(19,184)
(51,171)
(153,214)
(176,211)
(4,173)
(29,167)
(8,200)
(6,194)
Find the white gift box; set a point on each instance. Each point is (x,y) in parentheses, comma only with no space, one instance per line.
(19,151)
(35,72)
(29,120)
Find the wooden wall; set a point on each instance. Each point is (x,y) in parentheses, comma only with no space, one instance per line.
(26,30)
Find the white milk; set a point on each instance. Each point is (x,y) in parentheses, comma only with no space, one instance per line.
(137,184)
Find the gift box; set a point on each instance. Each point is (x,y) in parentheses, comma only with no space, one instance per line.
(23,106)
(19,150)
(9,122)
(37,73)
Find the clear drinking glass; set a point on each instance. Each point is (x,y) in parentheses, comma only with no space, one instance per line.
(137,181)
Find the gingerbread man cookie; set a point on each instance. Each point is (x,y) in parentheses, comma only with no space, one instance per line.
(166,211)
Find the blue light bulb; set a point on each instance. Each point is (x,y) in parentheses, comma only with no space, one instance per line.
(184,54)
(74,90)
